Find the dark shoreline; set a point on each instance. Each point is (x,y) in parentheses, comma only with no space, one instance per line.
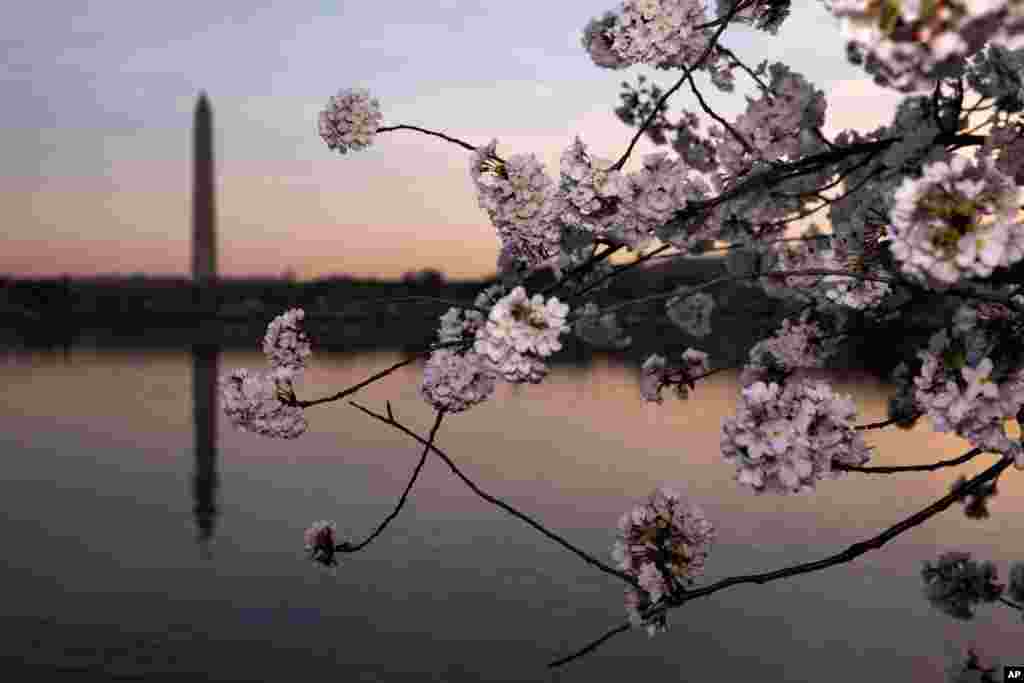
(349,315)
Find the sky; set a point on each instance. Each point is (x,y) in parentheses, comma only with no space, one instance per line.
(95,177)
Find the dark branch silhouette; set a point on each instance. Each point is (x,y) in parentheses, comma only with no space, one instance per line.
(466,145)
(892,469)
(851,553)
(405,494)
(886,423)
(290,400)
(590,647)
(955,291)
(590,559)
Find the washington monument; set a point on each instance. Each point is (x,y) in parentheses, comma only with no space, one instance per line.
(205,359)
(204,214)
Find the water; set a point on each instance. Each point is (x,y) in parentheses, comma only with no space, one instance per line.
(106,488)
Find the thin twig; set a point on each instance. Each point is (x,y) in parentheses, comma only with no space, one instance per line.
(713,114)
(640,260)
(405,493)
(957,291)
(729,53)
(892,469)
(582,269)
(885,423)
(591,647)
(1011,604)
(500,503)
(289,401)
(466,145)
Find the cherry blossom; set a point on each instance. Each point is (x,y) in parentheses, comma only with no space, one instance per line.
(321,540)
(455,382)
(955,222)
(785,439)
(285,344)
(519,332)
(350,121)
(522,202)
(956,584)
(252,402)
(655,375)
(663,543)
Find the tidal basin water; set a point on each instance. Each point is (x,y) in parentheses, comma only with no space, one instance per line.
(106,488)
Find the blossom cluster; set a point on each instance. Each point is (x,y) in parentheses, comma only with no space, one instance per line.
(657,32)
(772,125)
(531,212)
(511,343)
(956,583)
(956,222)
(519,333)
(797,345)
(1008,140)
(600,329)
(694,150)
(909,45)
(960,392)
(663,543)
(786,439)
(853,292)
(627,207)
(253,400)
(661,188)
(350,120)
(596,189)
(655,375)
(286,344)
(671,33)
(455,381)
(522,202)
(691,313)
(321,540)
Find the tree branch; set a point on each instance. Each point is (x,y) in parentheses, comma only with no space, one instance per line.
(664,98)
(617,271)
(883,423)
(318,315)
(590,647)
(582,269)
(957,291)
(405,494)
(711,112)
(466,145)
(851,553)
(892,469)
(500,503)
(292,401)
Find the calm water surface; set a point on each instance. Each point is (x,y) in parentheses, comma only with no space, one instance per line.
(106,488)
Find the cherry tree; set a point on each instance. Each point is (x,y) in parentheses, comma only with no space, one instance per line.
(924,215)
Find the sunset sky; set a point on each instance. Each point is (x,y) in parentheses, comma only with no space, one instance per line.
(99,96)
